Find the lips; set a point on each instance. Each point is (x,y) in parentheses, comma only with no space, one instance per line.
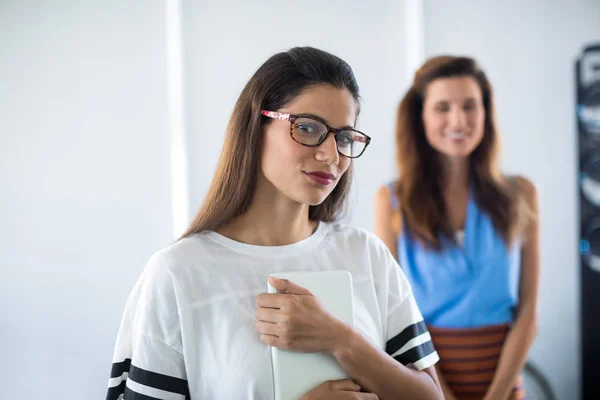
(323,175)
(455,135)
(321,178)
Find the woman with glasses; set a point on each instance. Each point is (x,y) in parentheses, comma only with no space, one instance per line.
(198,325)
(465,235)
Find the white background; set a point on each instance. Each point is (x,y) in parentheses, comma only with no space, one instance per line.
(86,123)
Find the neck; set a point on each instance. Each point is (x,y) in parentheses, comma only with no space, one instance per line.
(456,174)
(272,219)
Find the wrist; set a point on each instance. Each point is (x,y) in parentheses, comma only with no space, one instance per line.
(492,395)
(343,339)
(499,390)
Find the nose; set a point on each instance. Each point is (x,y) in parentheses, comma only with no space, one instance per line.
(457,119)
(327,151)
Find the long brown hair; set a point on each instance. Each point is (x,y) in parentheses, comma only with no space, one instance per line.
(274,85)
(419,189)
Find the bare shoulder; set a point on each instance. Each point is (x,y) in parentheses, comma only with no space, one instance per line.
(527,188)
(386,219)
(387,205)
(383,212)
(383,198)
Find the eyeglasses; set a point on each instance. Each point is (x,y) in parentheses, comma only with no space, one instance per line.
(311,132)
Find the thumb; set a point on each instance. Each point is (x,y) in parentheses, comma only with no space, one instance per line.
(285,286)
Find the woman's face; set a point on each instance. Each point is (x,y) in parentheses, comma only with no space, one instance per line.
(307,175)
(454,115)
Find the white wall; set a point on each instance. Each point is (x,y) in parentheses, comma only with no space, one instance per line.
(529,49)
(84,181)
(84,146)
(226,41)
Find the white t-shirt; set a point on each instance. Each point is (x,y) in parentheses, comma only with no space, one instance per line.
(188,326)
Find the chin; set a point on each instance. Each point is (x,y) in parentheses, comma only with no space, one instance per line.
(458,154)
(313,199)
(464,150)
(311,194)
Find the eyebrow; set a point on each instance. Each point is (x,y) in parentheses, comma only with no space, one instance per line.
(463,100)
(323,120)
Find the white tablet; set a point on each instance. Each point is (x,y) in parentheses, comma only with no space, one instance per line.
(297,373)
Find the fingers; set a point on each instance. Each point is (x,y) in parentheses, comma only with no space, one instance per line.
(283,300)
(270,340)
(348,385)
(271,300)
(344,384)
(266,328)
(269,315)
(285,286)
(368,396)
(278,300)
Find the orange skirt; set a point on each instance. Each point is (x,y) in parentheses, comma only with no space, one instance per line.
(469,358)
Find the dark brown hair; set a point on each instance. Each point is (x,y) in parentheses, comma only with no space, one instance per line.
(275,84)
(419,190)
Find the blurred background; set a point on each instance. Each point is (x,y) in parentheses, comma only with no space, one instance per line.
(113,113)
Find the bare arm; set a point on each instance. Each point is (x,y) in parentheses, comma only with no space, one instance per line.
(384,214)
(448,395)
(520,338)
(379,373)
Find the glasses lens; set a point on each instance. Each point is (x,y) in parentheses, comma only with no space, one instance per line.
(351,143)
(308,131)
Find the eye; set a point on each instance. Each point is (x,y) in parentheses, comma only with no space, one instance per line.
(345,138)
(306,127)
(469,107)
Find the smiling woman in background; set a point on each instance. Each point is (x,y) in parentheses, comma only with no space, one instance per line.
(465,235)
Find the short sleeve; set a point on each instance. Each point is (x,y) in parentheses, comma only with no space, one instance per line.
(148,361)
(407,339)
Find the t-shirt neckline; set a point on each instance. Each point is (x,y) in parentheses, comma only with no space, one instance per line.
(271,251)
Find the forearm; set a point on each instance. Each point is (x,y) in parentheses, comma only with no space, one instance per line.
(377,372)
(448,395)
(514,355)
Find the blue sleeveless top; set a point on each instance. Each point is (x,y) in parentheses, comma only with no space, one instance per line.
(463,287)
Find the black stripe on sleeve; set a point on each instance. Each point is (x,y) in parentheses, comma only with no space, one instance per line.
(413,355)
(115,391)
(409,333)
(119,369)
(158,381)
(131,395)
